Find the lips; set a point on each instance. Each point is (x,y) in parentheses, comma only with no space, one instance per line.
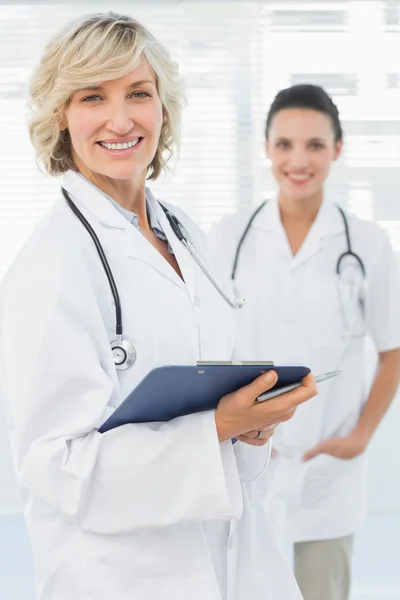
(120,145)
(298,178)
(121,149)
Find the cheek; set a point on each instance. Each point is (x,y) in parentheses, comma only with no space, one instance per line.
(152,116)
(323,165)
(277,166)
(156,121)
(81,125)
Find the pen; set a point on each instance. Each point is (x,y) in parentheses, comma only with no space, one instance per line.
(293,386)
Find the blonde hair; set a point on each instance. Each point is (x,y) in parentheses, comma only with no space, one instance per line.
(98,48)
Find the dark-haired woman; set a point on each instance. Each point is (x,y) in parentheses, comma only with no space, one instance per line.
(317,281)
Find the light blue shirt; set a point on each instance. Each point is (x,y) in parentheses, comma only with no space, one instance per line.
(133,218)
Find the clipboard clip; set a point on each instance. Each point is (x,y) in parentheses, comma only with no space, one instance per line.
(236,363)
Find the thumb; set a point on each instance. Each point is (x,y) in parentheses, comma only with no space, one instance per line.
(263,383)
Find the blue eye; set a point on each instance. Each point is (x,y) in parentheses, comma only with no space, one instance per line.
(91,98)
(141,94)
(283,145)
(137,94)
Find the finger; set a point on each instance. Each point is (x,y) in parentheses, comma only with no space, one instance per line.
(279,415)
(262,384)
(267,429)
(287,415)
(307,390)
(264,433)
(285,402)
(251,434)
(252,441)
(309,384)
(318,449)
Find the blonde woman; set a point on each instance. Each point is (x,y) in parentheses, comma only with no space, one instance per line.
(168,510)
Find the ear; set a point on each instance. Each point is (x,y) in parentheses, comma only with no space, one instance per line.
(62,123)
(338,149)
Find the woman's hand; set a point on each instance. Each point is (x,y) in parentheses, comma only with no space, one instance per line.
(345,448)
(239,414)
(258,437)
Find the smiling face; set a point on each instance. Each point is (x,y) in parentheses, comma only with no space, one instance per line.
(115,127)
(301,146)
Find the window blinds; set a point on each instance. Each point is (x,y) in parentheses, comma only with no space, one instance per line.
(234,57)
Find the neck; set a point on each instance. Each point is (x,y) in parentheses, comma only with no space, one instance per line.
(303,211)
(129,193)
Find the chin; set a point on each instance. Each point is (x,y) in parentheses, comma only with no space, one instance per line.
(300,193)
(123,172)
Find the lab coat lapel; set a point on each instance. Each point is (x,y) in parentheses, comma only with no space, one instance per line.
(139,248)
(309,248)
(185,260)
(95,206)
(269,221)
(328,222)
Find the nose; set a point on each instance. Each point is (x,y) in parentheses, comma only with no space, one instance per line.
(299,158)
(120,118)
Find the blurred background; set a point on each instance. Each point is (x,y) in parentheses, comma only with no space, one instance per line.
(234,57)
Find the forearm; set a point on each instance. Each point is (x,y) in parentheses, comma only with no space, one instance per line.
(136,476)
(382,393)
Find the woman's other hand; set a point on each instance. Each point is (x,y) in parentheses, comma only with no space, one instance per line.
(239,414)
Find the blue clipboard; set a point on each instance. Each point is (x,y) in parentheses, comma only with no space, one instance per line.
(174,391)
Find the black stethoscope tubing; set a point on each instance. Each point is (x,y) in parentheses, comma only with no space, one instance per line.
(103,258)
(124,353)
(348,252)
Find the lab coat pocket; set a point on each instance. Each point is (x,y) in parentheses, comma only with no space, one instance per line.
(251,461)
(329,480)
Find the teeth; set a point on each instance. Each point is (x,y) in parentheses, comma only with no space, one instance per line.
(120,146)
(299,177)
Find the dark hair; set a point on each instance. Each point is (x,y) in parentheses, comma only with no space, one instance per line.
(308,96)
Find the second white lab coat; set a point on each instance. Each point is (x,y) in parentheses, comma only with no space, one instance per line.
(293,316)
(144,511)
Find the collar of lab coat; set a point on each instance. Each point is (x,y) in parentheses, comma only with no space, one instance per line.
(328,222)
(94,202)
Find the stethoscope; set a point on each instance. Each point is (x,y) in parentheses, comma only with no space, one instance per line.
(123,350)
(347,260)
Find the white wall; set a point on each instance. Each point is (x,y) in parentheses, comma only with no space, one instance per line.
(384,454)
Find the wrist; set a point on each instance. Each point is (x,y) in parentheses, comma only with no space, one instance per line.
(362,435)
(222,428)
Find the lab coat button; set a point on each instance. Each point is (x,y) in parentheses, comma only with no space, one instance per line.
(196,301)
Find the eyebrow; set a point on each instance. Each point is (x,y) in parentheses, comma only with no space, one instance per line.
(99,88)
(287,139)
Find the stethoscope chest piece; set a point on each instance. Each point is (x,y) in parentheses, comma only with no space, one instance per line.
(124,353)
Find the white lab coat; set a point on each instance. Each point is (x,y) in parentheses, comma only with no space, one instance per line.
(293,316)
(145,511)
